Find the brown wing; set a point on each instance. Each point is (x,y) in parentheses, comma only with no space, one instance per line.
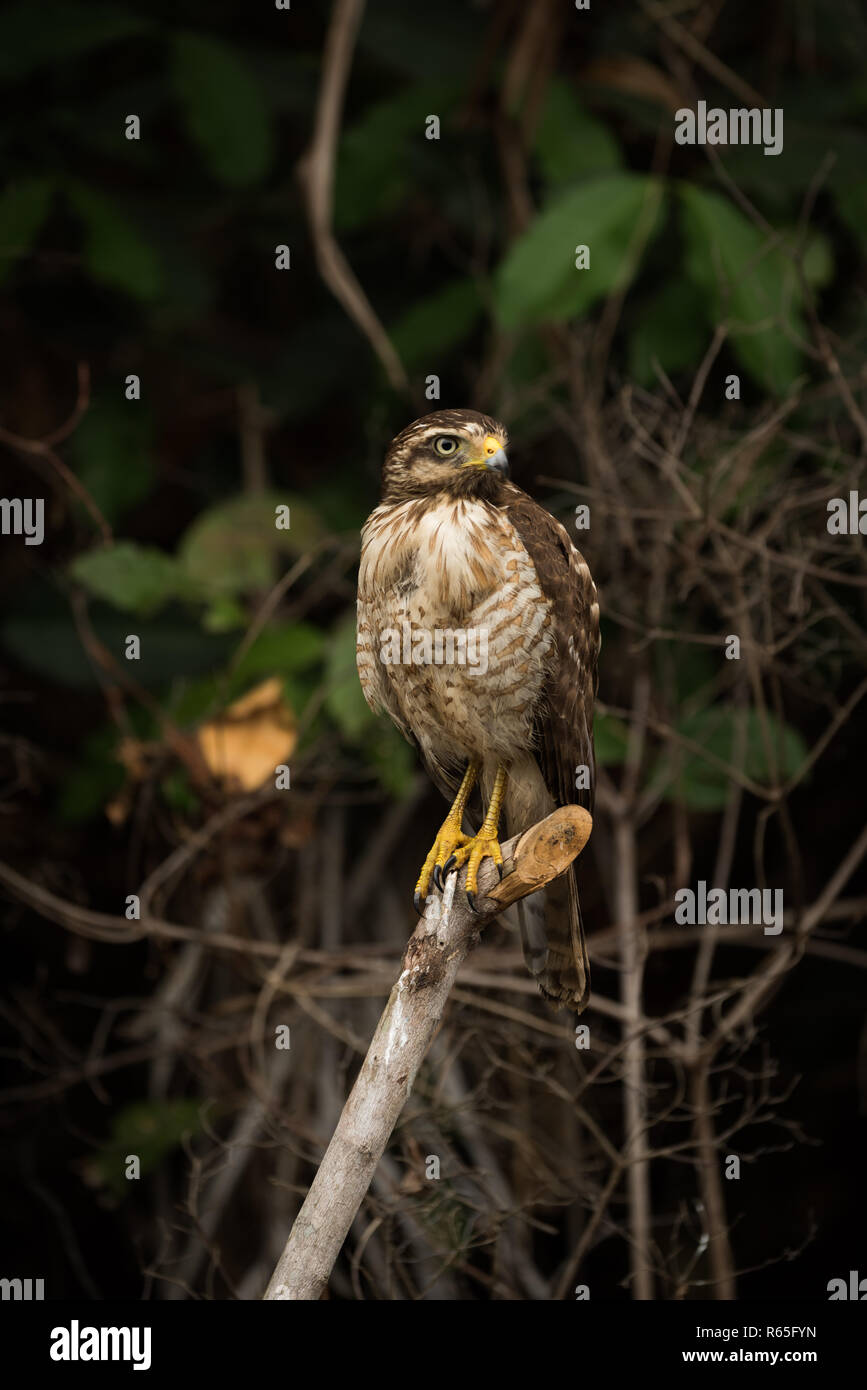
(555,949)
(370,619)
(376,690)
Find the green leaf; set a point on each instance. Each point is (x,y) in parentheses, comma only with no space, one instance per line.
(570,144)
(739,277)
(94,778)
(702,785)
(23,208)
(818,261)
(56,32)
(851,199)
(112,453)
(374,159)
(171,647)
(421,39)
(136,578)
(224,614)
(150,1129)
(344,700)
(687,670)
(538,281)
(178,792)
(371,174)
(341,498)
(191,701)
(114,250)
(224,111)
(610,739)
(281,649)
(230,549)
(391,757)
(671,328)
(779,182)
(381,745)
(529,411)
(434,325)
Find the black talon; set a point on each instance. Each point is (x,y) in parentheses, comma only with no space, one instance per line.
(437,878)
(448,866)
(471,899)
(500,871)
(418,903)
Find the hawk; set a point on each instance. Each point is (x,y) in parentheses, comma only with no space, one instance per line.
(478,633)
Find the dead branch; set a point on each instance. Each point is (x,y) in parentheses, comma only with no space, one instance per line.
(44,448)
(436,950)
(316,173)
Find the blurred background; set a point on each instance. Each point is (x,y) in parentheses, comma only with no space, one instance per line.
(700,388)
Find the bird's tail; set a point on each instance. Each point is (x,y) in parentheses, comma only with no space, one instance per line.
(552,937)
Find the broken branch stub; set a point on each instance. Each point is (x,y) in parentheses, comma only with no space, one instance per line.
(541,854)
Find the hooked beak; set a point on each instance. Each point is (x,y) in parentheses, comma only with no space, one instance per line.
(493,457)
(499,462)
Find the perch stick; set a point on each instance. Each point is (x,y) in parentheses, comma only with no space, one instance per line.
(443,938)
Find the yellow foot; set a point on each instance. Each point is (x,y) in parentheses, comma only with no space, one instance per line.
(485,845)
(449,839)
(449,842)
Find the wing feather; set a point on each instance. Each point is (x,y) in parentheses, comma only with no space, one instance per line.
(563,733)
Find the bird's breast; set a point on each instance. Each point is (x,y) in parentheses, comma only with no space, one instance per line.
(446,556)
(455,623)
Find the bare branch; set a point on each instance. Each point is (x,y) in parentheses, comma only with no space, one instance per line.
(435,952)
(316,173)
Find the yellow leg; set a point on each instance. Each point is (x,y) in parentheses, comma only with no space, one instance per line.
(449,839)
(485,844)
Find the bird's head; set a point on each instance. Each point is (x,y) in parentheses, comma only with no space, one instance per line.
(459,452)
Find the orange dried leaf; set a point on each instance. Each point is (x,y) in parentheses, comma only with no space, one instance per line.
(245,744)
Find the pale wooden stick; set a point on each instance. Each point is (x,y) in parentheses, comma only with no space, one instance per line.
(434,954)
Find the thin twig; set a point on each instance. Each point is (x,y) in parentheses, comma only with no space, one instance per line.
(316,173)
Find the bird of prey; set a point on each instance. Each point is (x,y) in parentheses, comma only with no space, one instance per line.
(478,633)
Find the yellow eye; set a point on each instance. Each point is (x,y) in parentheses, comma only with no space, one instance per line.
(446,445)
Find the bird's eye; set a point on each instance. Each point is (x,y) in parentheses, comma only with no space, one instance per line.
(446,445)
